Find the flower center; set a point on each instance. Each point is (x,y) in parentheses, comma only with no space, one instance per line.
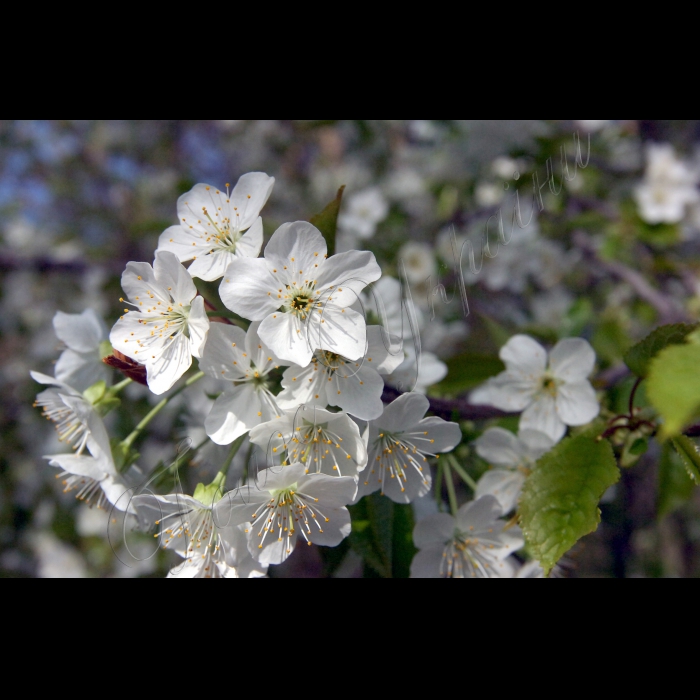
(550,385)
(285,513)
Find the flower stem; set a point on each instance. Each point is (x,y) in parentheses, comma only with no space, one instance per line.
(129,441)
(464,475)
(451,492)
(114,390)
(438,484)
(220,478)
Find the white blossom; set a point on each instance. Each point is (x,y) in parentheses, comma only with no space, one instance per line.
(325,442)
(302,297)
(415,374)
(334,380)
(399,444)
(168,324)
(512,458)
(80,365)
(669,186)
(286,503)
(362,212)
(553,392)
(201,532)
(91,470)
(216,227)
(474,544)
(243,361)
(418,261)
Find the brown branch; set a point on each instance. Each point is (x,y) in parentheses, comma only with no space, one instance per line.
(668,310)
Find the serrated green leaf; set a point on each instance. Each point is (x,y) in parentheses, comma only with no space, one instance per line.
(640,356)
(675,487)
(673,387)
(327,221)
(468,371)
(559,504)
(688,452)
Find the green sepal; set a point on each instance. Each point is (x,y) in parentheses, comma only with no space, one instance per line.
(559,503)
(123,455)
(326,221)
(210,494)
(673,387)
(639,357)
(107,406)
(106,349)
(94,393)
(688,452)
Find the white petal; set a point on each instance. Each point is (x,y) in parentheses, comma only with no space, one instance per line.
(337,332)
(250,244)
(250,195)
(211,265)
(250,289)
(262,356)
(479,514)
(198,325)
(303,386)
(81,370)
(80,332)
(225,346)
(577,403)
(500,447)
(435,529)
(183,242)
(299,240)
(504,484)
(233,414)
(445,436)
(385,350)
(168,365)
(349,273)
(286,336)
(524,355)
(542,416)
(427,562)
(139,279)
(174,277)
(358,393)
(404,413)
(509,391)
(572,359)
(536,444)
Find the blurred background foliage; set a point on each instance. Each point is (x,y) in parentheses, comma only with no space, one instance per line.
(79,199)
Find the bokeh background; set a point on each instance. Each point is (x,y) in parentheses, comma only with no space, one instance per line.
(79,199)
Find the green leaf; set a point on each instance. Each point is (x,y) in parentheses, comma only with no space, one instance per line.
(559,504)
(675,488)
(327,221)
(673,387)
(639,447)
(469,371)
(688,452)
(639,357)
(382,534)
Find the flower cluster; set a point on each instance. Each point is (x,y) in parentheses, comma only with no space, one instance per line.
(296,353)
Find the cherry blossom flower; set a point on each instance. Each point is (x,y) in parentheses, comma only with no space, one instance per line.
(399,444)
(513,458)
(334,380)
(80,365)
(302,297)
(553,393)
(168,324)
(243,360)
(287,503)
(669,186)
(91,470)
(198,529)
(216,227)
(327,443)
(474,544)
(362,212)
